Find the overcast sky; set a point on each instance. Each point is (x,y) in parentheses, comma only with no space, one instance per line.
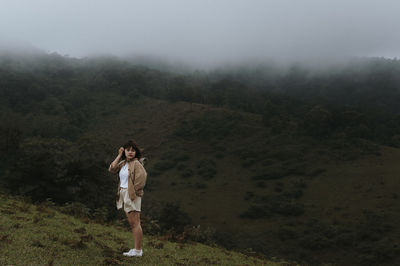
(206,31)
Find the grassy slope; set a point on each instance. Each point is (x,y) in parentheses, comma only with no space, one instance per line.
(41,235)
(351,187)
(341,195)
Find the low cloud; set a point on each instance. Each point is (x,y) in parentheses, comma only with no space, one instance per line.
(207,32)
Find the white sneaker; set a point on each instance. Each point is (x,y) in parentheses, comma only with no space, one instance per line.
(133,253)
(129,252)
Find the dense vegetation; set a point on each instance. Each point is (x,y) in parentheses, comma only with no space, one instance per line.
(53,109)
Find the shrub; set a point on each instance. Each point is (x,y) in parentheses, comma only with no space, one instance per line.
(206,168)
(219,155)
(220,148)
(295,193)
(76,209)
(315,241)
(287,208)
(296,169)
(201,185)
(286,154)
(299,184)
(317,172)
(249,195)
(271,174)
(181,166)
(287,233)
(100,215)
(187,173)
(198,234)
(261,184)
(173,218)
(255,212)
(248,162)
(267,162)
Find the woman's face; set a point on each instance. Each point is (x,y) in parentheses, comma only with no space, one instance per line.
(130,153)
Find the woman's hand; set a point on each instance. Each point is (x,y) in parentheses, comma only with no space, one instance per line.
(113,166)
(120,151)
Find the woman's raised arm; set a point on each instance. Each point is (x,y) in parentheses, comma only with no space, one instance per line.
(114,165)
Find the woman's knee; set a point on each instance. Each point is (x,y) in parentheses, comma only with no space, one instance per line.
(133,219)
(131,223)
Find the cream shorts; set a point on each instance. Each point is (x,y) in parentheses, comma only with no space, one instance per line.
(127,203)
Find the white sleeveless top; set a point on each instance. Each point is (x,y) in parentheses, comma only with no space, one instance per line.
(124,175)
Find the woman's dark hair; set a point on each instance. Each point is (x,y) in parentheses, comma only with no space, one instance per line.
(132,143)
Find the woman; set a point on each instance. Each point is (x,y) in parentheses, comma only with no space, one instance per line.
(132,179)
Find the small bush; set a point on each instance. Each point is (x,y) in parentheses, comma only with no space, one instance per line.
(317,172)
(248,163)
(173,218)
(249,195)
(187,173)
(287,208)
(267,162)
(299,184)
(37,218)
(206,168)
(219,155)
(296,169)
(287,233)
(76,209)
(315,241)
(201,186)
(100,215)
(181,166)
(74,244)
(37,243)
(198,234)
(80,230)
(255,212)
(295,193)
(271,175)
(220,148)
(261,184)
(43,209)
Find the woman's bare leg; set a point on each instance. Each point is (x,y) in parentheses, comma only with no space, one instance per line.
(134,221)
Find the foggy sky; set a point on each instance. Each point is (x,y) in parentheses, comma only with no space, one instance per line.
(205,31)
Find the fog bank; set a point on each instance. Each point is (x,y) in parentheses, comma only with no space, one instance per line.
(206,33)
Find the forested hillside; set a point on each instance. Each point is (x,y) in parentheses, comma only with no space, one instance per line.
(294,162)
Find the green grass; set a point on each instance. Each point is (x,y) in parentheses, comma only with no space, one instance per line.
(41,235)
